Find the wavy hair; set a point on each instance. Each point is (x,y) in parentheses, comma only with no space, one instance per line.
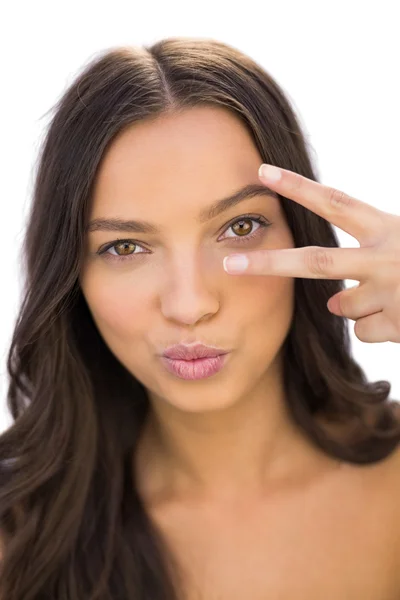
(72,522)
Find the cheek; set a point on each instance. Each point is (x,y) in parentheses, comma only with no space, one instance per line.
(265,313)
(118,307)
(265,296)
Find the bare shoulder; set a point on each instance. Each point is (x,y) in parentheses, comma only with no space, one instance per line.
(373,492)
(392,490)
(390,475)
(385,480)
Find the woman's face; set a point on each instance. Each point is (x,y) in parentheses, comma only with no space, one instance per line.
(168,285)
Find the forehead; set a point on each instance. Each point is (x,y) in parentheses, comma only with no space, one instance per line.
(174,165)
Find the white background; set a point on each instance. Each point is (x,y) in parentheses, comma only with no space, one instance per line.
(338,63)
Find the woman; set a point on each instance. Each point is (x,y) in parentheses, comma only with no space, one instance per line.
(264,466)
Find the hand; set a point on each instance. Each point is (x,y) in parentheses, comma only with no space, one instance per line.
(374,303)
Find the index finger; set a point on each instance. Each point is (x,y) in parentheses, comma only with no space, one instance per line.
(357,218)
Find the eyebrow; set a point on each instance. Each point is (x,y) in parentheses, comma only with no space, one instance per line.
(117,224)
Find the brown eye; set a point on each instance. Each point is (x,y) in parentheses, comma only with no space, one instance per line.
(242,227)
(124,248)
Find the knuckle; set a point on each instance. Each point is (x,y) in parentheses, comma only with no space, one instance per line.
(386,260)
(297,182)
(318,261)
(339,199)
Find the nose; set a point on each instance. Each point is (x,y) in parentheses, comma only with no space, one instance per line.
(190,293)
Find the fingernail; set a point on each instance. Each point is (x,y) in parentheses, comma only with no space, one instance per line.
(235,263)
(269,173)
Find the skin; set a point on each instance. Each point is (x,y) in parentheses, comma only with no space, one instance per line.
(221,454)
(218,436)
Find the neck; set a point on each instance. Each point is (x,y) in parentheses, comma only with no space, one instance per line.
(244,449)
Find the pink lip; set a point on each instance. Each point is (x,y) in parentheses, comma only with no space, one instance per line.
(193,351)
(199,368)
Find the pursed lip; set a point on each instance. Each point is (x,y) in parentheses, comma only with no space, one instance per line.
(192,351)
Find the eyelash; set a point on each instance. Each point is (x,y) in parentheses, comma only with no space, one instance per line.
(262,221)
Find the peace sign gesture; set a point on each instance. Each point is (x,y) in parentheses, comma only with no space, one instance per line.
(374,303)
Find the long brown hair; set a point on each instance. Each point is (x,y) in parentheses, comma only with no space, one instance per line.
(72,522)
